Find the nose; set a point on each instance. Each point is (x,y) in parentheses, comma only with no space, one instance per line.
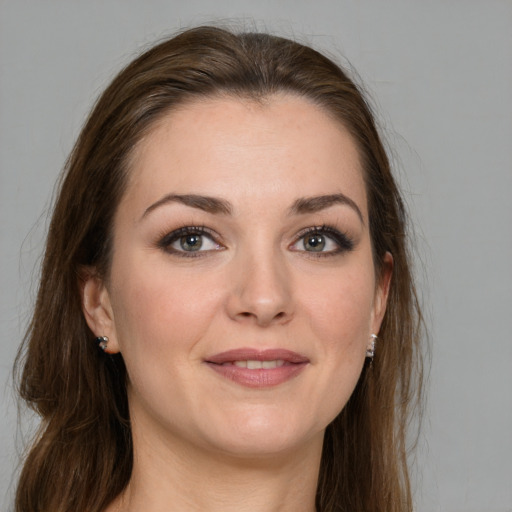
(261,290)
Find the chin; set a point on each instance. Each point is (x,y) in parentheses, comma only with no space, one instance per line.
(263,447)
(259,436)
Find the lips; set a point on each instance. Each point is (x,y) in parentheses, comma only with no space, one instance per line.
(258,368)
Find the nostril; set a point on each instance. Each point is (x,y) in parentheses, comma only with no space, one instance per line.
(260,317)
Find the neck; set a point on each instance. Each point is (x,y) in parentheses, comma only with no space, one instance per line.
(187,478)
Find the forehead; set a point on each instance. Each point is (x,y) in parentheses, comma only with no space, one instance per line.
(278,149)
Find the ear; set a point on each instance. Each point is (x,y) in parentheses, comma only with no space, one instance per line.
(382,292)
(97,308)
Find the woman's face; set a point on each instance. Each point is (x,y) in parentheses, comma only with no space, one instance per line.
(242,292)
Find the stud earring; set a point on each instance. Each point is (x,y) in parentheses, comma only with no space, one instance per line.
(102,342)
(370,351)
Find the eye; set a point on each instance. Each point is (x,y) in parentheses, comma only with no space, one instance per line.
(323,240)
(189,240)
(317,242)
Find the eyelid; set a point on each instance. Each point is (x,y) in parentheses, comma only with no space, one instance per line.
(345,243)
(165,242)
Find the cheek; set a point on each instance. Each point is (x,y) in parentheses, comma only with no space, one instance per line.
(161,316)
(340,308)
(339,313)
(161,309)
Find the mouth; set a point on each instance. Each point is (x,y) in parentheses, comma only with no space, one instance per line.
(257,369)
(253,364)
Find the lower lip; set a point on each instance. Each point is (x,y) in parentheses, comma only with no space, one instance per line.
(261,377)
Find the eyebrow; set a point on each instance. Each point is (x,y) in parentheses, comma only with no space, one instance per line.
(205,203)
(215,205)
(317,203)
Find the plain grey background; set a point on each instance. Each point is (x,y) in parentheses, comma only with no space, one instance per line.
(440,73)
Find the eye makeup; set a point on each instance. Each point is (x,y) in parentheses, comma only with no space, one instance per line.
(199,241)
(190,242)
(322,241)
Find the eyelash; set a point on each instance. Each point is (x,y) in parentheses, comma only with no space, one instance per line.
(344,243)
(166,242)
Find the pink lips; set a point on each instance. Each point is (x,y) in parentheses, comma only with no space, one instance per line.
(277,366)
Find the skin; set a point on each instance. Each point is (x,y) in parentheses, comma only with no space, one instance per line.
(254,284)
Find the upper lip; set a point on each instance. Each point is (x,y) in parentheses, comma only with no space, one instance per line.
(250,354)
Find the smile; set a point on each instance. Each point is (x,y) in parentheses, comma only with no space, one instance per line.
(257,365)
(258,369)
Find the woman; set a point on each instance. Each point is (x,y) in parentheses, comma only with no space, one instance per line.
(227,244)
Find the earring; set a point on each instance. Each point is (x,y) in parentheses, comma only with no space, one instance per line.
(102,342)
(370,351)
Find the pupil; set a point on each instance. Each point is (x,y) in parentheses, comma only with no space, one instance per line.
(315,242)
(191,242)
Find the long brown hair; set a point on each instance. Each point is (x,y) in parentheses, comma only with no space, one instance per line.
(82,457)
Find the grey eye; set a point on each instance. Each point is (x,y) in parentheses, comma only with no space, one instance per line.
(191,242)
(314,242)
(323,241)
